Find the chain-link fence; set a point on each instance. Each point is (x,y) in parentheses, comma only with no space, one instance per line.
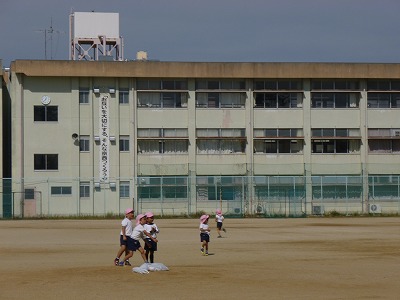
(237,196)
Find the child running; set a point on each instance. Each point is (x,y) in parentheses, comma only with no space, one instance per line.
(125,235)
(151,227)
(137,233)
(219,218)
(204,234)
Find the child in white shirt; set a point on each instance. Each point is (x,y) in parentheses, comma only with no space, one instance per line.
(219,218)
(204,234)
(151,228)
(125,236)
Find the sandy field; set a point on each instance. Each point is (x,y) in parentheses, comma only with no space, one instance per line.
(313,258)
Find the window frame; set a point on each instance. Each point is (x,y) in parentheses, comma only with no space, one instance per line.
(152,141)
(124,189)
(46,114)
(124,143)
(275,100)
(384,140)
(220,141)
(382,100)
(84,189)
(162,99)
(84,143)
(63,190)
(84,94)
(335,140)
(123,96)
(45,158)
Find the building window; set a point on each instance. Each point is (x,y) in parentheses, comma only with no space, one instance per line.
(174,187)
(171,100)
(278,146)
(221,141)
(84,143)
(337,187)
(282,140)
(162,100)
(384,187)
(61,190)
(124,189)
(220,187)
(45,113)
(223,93)
(163,140)
(46,161)
(383,100)
(220,84)
(162,93)
(124,143)
(330,85)
(383,85)
(335,100)
(328,93)
(383,93)
(384,140)
(271,187)
(123,96)
(278,100)
(169,187)
(335,140)
(83,95)
(220,100)
(160,84)
(84,190)
(163,146)
(274,85)
(274,93)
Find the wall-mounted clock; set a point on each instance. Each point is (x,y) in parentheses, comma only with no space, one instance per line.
(45,100)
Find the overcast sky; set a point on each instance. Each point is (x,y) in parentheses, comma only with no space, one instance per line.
(215,30)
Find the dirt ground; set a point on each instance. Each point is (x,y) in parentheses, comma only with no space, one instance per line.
(313,258)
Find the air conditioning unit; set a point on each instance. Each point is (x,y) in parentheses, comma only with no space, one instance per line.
(259,209)
(375,209)
(317,210)
(237,210)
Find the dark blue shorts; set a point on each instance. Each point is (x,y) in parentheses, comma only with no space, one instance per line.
(219,225)
(152,243)
(133,245)
(204,237)
(122,242)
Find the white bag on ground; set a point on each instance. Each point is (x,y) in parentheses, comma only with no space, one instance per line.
(146,267)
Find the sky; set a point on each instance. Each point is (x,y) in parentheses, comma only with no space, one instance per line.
(214,30)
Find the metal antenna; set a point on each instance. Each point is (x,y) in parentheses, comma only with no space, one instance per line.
(49,31)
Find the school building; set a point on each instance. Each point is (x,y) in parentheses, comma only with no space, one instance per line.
(95,137)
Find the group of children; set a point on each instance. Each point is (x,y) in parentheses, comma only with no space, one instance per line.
(130,237)
(147,230)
